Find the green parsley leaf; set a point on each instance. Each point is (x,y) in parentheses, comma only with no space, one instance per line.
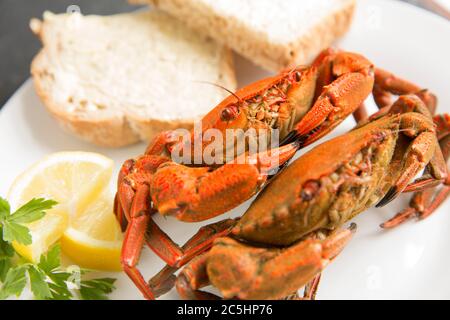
(14,282)
(6,249)
(51,260)
(31,211)
(47,279)
(58,285)
(59,292)
(38,283)
(96,289)
(15,232)
(50,264)
(5,210)
(5,265)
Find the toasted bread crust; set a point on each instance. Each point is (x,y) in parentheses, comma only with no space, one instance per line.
(256,46)
(118,128)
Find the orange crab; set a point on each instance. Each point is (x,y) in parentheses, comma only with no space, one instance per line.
(303,104)
(266,256)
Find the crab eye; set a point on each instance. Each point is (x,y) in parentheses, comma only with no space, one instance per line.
(229,113)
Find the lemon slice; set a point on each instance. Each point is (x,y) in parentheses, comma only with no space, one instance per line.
(44,232)
(94,238)
(74,179)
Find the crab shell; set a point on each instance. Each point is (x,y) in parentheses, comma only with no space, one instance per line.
(313,193)
(233,112)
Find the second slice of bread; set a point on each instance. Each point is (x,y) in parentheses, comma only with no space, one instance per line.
(115,80)
(273,34)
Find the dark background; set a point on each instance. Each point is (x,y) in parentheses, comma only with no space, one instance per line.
(18,45)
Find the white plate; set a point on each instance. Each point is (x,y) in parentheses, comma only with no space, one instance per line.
(410,262)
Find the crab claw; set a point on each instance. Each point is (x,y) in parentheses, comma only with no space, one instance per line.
(194,194)
(271,273)
(345,81)
(425,202)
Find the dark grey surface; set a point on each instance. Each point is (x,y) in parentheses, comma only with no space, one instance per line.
(18,45)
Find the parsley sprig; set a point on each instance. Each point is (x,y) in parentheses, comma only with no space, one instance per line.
(47,279)
(12,224)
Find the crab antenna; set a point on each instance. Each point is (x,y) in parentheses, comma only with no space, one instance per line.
(222,87)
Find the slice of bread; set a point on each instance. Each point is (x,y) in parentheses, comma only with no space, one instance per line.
(115,80)
(272,34)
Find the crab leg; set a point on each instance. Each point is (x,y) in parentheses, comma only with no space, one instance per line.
(425,182)
(118,208)
(387,84)
(132,204)
(150,162)
(437,201)
(176,256)
(120,214)
(133,173)
(134,239)
(153,158)
(422,205)
(360,115)
(164,280)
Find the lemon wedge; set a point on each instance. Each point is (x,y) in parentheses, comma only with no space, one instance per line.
(83,218)
(94,238)
(44,232)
